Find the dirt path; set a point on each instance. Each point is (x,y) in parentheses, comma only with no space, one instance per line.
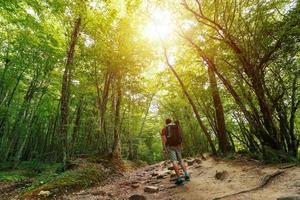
(234,177)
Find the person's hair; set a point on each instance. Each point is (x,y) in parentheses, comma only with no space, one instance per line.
(168,121)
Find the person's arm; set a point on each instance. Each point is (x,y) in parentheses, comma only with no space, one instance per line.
(163,139)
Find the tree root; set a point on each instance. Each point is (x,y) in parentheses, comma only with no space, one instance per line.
(287,166)
(266,179)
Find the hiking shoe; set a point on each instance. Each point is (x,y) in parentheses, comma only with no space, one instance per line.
(187,177)
(179,181)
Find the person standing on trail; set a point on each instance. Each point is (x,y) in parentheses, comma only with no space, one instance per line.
(171,136)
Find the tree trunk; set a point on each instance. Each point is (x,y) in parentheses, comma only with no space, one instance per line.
(224,144)
(65,92)
(76,126)
(136,149)
(116,150)
(102,101)
(293,149)
(3,120)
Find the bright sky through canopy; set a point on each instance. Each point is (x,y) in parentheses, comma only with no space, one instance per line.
(160,26)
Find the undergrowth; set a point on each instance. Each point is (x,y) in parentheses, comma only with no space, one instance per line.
(48,177)
(61,183)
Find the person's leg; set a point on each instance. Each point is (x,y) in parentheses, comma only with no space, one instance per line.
(173,158)
(176,168)
(183,166)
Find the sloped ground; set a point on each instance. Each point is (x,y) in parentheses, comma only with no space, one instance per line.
(52,184)
(232,177)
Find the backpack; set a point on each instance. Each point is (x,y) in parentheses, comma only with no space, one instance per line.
(173,135)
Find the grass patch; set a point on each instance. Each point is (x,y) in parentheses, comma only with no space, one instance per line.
(25,170)
(60,183)
(47,177)
(14,176)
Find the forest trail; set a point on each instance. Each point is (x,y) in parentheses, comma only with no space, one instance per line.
(234,176)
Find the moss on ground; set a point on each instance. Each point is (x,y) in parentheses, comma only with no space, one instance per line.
(27,169)
(84,173)
(88,172)
(67,181)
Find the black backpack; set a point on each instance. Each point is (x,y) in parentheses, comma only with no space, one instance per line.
(173,135)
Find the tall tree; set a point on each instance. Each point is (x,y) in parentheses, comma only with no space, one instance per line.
(65,91)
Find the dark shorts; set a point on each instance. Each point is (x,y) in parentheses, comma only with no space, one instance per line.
(174,153)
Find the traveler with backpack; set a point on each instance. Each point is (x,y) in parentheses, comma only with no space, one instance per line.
(171,136)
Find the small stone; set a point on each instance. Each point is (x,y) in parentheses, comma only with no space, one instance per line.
(82,192)
(173,175)
(173,179)
(135,185)
(190,162)
(197,166)
(221,175)
(171,187)
(44,193)
(155,182)
(98,193)
(137,197)
(161,176)
(151,189)
(110,195)
(154,174)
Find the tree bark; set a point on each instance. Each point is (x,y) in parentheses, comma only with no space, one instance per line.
(102,100)
(76,126)
(65,92)
(223,140)
(116,150)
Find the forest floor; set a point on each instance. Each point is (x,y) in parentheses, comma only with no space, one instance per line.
(210,179)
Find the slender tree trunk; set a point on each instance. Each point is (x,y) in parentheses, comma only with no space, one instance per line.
(2,122)
(2,79)
(116,152)
(293,149)
(52,144)
(65,92)
(76,126)
(204,129)
(135,150)
(102,101)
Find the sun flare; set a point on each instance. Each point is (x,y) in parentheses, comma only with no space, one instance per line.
(160,25)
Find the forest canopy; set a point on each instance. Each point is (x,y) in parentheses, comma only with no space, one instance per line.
(101,76)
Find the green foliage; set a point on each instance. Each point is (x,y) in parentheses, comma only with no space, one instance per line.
(273,156)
